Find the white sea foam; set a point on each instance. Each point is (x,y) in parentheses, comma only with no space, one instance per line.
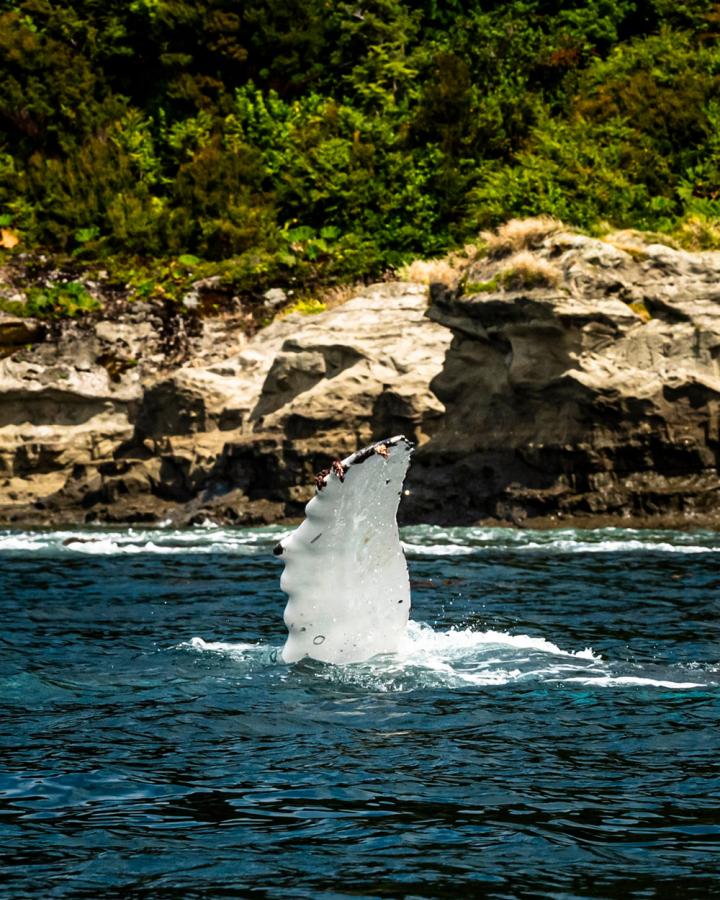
(449,643)
(423,541)
(610,546)
(11,543)
(635,680)
(457,659)
(107,542)
(223,647)
(437,549)
(109,547)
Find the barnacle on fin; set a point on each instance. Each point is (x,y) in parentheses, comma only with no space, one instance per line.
(339,469)
(320,479)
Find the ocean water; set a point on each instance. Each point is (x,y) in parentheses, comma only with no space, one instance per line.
(550,729)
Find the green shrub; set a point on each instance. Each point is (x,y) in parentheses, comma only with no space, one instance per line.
(307,306)
(314,142)
(482,287)
(56,301)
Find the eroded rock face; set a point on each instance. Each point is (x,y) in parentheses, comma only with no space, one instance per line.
(577,382)
(238,438)
(595,397)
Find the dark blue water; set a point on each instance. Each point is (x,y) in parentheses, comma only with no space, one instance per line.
(553,730)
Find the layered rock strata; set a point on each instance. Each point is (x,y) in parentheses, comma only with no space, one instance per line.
(574,380)
(594,394)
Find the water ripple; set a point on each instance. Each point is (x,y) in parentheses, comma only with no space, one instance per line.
(551,727)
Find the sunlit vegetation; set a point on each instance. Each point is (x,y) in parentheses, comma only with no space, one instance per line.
(312,143)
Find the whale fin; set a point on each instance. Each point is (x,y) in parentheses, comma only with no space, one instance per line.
(345,572)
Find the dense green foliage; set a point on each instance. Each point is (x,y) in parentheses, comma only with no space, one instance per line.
(318,141)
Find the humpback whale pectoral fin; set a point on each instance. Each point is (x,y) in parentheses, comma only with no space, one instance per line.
(351,588)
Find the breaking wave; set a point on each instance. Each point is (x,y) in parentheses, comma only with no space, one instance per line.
(106,542)
(418,541)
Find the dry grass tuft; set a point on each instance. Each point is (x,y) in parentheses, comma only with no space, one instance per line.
(430,271)
(526,271)
(520,234)
(446,270)
(699,233)
(337,294)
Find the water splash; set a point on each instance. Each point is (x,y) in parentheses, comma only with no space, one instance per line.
(457,659)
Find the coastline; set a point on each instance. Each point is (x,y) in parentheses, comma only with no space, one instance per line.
(548,380)
(682,523)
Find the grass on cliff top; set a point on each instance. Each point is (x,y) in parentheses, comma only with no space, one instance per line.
(61,287)
(68,286)
(526,272)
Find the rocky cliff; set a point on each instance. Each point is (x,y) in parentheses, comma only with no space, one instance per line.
(552,378)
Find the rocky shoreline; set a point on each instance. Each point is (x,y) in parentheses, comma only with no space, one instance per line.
(552,380)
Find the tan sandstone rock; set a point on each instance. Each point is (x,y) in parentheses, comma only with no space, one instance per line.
(572,379)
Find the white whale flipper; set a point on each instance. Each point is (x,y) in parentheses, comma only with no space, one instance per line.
(345,572)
